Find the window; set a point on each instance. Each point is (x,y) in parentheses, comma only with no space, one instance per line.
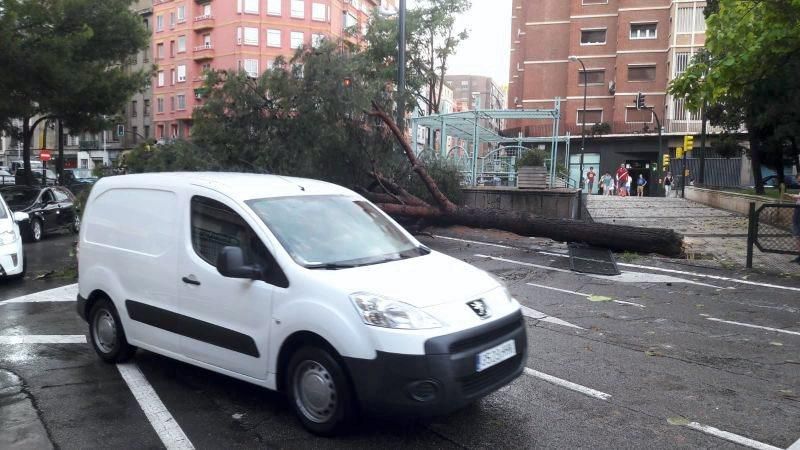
(319,11)
(181,73)
(134,108)
(207,10)
(251,67)
(464,83)
(274,7)
(350,20)
(215,226)
(146,23)
(181,13)
(591,77)
(160,78)
(135,134)
(316,39)
(146,57)
(173,129)
(273,38)
(160,105)
(181,99)
(595,2)
(691,19)
(181,44)
(298,9)
(172,76)
(699,20)
(207,40)
(146,108)
(172,49)
(643,30)
(297,39)
(250,6)
(172,19)
(146,133)
(633,115)
(642,73)
(592,116)
(593,37)
(160,131)
(160,51)
(160,23)
(250,36)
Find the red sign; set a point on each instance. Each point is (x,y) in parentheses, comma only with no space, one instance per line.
(44,156)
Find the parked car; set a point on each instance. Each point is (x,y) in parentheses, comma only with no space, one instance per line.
(78,180)
(36,176)
(49,209)
(295,285)
(6,179)
(12,258)
(789,181)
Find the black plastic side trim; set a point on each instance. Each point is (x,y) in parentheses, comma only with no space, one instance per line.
(192,328)
(80,306)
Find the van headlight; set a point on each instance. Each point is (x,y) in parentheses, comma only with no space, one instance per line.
(7,237)
(384,312)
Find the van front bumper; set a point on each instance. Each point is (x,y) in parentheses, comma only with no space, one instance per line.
(445,378)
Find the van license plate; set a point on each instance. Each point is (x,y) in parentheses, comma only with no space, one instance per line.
(496,355)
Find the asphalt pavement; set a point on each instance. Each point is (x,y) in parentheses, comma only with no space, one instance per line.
(662,356)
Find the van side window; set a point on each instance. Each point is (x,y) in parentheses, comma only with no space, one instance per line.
(215,226)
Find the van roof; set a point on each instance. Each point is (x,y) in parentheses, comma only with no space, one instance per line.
(239,186)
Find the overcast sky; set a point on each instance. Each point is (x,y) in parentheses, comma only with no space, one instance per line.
(486,52)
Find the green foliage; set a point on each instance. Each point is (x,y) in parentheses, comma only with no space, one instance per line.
(176,156)
(535,157)
(600,129)
(728,146)
(444,172)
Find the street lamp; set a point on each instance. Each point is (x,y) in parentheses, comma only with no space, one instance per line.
(583,122)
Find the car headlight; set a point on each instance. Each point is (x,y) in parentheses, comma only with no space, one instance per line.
(383,312)
(7,237)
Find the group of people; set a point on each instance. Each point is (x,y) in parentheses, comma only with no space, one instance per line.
(618,184)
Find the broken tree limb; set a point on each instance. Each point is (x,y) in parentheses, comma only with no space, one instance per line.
(614,237)
(395,189)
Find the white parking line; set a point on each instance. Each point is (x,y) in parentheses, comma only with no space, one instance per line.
(795,446)
(66,293)
(43,339)
(538,315)
(568,384)
(171,434)
(749,325)
(580,294)
(637,266)
(741,440)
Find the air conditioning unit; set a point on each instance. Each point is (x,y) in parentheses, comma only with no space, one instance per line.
(612,87)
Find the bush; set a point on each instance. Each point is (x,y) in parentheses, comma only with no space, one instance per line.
(534,158)
(444,173)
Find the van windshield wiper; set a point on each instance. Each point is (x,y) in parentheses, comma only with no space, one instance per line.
(330,266)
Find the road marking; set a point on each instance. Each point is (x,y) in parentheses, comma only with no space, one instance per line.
(749,325)
(580,294)
(728,436)
(568,384)
(66,293)
(637,266)
(795,446)
(538,315)
(171,434)
(555,269)
(43,339)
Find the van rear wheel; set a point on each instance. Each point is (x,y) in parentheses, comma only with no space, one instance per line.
(319,392)
(106,333)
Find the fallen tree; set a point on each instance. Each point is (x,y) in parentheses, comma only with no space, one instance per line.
(398,203)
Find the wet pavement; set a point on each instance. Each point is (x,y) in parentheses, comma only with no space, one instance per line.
(666,355)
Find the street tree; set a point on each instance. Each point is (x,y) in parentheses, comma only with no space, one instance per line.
(65,60)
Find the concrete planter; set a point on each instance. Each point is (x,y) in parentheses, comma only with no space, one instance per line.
(532,177)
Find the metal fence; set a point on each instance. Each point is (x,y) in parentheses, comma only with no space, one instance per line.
(772,229)
(720,172)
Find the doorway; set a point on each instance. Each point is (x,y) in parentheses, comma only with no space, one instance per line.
(645,168)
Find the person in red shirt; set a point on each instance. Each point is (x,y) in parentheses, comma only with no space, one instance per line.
(590,176)
(622,180)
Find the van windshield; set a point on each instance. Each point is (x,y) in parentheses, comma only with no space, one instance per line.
(334,232)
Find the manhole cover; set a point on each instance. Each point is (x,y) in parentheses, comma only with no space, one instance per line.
(596,260)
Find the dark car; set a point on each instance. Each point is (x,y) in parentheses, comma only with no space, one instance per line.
(50,209)
(78,180)
(789,181)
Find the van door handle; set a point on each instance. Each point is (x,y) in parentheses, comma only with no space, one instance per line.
(188,280)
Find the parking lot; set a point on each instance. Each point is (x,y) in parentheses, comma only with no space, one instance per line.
(661,356)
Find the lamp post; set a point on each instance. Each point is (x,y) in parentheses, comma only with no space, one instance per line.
(583,122)
(401,63)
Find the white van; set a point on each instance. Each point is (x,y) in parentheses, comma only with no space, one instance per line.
(295,285)
(12,258)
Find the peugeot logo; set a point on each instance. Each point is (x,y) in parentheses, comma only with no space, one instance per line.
(479,307)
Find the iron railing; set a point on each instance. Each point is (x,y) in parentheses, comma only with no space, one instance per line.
(772,228)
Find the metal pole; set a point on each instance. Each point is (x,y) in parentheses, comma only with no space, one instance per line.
(702,174)
(401,64)
(583,126)
(659,168)
(684,175)
(751,234)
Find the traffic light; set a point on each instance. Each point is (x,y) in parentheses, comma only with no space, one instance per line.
(688,143)
(640,101)
(678,153)
(666,160)
(120,130)
(347,82)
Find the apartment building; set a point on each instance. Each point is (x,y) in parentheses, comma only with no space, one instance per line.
(192,36)
(627,46)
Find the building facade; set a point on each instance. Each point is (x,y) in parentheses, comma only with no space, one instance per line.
(627,47)
(192,36)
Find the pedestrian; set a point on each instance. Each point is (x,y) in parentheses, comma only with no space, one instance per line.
(796,220)
(667,184)
(640,184)
(628,186)
(590,175)
(607,182)
(622,180)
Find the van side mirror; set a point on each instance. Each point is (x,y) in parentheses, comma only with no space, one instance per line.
(230,263)
(21,216)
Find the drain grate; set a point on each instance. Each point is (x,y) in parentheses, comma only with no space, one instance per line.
(596,260)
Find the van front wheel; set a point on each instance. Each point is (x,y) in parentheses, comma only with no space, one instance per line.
(319,392)
(107,336)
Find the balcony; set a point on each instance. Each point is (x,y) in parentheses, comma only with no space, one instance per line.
(203,22)
(158,2)
(203,52)
(674,127)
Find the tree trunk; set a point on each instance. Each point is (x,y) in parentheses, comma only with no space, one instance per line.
(27,134)
(60,161)
(615,237)
(755,159)
(796,153)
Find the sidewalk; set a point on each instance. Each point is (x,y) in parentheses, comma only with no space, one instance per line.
(711,235)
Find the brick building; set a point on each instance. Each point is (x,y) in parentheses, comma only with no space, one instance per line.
(190,36)
(627,46)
